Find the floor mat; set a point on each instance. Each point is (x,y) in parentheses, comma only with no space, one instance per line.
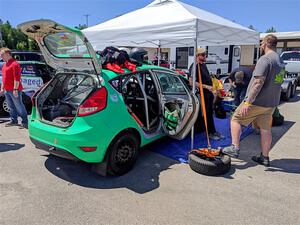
(178,150)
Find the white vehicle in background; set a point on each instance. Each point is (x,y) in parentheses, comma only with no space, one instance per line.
(221,58)
(291,60)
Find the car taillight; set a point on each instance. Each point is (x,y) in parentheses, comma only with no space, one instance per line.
(95,103)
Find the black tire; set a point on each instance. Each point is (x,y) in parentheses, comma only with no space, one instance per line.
(209,166)
(3,107)
(286,95)
(122,154)
(293,91)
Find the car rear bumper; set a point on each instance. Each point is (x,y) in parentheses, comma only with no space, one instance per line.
(54,150)
(67,142)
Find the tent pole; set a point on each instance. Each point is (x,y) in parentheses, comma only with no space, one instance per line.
(257,53)
(158,54)
(194,77)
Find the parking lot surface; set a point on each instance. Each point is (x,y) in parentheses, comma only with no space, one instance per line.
(36,188)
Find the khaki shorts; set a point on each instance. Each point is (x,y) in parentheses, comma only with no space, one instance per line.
(260,116)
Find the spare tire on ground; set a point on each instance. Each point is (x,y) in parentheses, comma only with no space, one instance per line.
(209,166)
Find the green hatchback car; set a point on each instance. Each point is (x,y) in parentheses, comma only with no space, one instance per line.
(96,115)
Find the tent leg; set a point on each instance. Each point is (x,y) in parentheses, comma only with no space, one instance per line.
(194,80)
(158,54)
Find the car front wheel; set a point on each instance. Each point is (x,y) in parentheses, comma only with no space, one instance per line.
(122,154)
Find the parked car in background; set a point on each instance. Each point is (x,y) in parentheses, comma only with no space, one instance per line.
(96,115)
(163,63)
(291,60)
(292,64)
(33,75)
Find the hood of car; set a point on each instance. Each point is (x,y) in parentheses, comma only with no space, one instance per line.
(62,47)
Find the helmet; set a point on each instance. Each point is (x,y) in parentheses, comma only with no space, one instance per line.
(127,50)
(138,54)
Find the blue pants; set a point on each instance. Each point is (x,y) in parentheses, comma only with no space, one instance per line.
(16,107)
(239,95)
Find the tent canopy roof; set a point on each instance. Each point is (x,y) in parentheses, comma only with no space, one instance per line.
(169,23)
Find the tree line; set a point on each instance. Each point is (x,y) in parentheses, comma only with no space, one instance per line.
(13,38)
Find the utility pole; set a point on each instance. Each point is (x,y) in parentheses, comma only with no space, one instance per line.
(87,19)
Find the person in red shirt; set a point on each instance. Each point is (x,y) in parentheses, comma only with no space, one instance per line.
(12,88)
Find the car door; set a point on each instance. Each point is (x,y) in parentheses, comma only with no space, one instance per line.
(179,106)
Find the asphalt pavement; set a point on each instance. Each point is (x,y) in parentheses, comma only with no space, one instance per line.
(38,189)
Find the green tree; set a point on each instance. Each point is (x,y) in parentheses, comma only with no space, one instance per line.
(14,39)
(21,45)
(271,30)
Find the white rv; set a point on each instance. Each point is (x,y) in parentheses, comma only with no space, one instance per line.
(220,59)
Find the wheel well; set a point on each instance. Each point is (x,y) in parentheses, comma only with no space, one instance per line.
(133,131)
(130,130)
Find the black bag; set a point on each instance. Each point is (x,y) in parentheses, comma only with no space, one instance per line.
(278,119)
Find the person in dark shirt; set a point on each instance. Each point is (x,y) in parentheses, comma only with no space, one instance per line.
(239,80)
(208,96)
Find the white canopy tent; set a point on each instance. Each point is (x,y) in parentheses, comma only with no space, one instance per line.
(170,23)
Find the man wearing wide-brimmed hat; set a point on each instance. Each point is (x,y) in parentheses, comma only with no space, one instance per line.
(208,95)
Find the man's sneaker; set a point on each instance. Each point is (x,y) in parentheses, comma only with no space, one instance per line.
(214,136)
(232,151)
(11,124)
(24,126)
(260,159)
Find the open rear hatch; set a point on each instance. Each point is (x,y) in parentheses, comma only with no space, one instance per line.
(77,69)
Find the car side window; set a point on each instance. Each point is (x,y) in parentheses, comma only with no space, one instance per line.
(170,83)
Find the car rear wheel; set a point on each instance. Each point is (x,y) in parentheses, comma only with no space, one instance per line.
(286,95)
(293,91)
(122,154)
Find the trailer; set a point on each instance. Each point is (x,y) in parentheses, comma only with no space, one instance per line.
(221,60)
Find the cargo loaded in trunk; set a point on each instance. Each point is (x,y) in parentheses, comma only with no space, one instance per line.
(60,101)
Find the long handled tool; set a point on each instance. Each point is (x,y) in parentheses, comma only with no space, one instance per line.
(208,161)
(208,152)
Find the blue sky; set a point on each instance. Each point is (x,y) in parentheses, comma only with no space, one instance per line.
(283,15)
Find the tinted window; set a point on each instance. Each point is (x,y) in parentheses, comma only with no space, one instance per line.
(27,56)
(292,56)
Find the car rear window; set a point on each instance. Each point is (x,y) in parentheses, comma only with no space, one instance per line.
(291,56)
(26,56)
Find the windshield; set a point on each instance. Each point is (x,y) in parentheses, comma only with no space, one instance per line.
(66,45)
(291,56)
